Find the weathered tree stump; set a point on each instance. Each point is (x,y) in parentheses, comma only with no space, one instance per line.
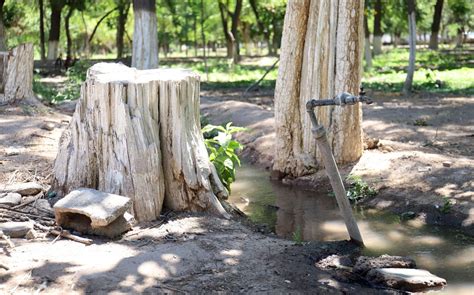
(137,133)
(16,73)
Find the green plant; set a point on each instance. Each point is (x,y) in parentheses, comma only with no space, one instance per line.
(359,189)
(222,150)
(297,236)
(446,207)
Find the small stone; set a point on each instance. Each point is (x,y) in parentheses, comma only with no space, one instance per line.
(424,169)
(48,126)
(447,163)
(411,280)
(365,263)
(24,189)
(31,234)
(16,229)
(10,199)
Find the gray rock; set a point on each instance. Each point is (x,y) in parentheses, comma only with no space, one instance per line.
(365,263)
(48,126)
(16,229)
(10,199)
(93,212)
(24,189)
(412,280)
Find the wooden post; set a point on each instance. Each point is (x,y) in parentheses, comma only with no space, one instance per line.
(17,73)
(137,133)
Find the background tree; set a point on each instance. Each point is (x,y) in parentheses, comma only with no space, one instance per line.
(55,28)
(436,24)
(367,49)
(461,16)
(145,35)
(41,30)
(312,66)
(3,38)
(378,34)
(123,7)
(411,5)
(231,35)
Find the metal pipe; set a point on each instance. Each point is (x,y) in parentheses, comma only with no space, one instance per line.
(329,162)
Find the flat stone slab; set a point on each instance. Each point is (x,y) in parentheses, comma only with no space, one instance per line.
(10,199)
(24,189)
(100,207)
(406,279)
(365,263)
(16,229)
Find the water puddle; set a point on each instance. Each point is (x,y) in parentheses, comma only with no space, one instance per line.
(295,213)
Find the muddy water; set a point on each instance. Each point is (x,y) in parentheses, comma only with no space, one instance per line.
(314,216)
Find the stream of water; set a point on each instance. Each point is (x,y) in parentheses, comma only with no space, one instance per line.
(292,213)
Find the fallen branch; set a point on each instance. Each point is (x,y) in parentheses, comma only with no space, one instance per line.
(261,79)
(65,234)
(26,214)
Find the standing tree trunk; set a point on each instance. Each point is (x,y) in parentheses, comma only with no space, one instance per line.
(55,28)
(320,57)
(412,40)
(137,133)
(378,27)
(261,26)
(123,7)
(436,24)
(17,77)
(69,57)
(3,32)
(367,49)
(41,29)
(231,36)
(203,38)
(145,35)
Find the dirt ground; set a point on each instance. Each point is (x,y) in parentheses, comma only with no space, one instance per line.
(425,159)
(202,253)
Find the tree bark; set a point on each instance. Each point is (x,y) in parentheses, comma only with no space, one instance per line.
(145,35)
(3,32)
(378,27)
(41,29)
(407,87)
(68,36)
(123,8)
(55,28)
(320,57)
(137,133)
(436,24)
(17,78)
(367,49)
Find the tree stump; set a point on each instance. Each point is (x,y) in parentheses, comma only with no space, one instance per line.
(16,69)
(137,133)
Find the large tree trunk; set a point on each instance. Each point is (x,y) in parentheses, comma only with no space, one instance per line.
(55,28)
(123,8)
(407,87)
(17,73)
(145,35)
(436,24)
(367,49)
(320,57)
(378,27)
(3,33)
(41,29)
(137,133)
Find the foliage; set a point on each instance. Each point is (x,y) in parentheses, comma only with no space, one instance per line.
(297,236)
(446,207)
(359,189)
(69,91)
(223,150)
(442,71)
